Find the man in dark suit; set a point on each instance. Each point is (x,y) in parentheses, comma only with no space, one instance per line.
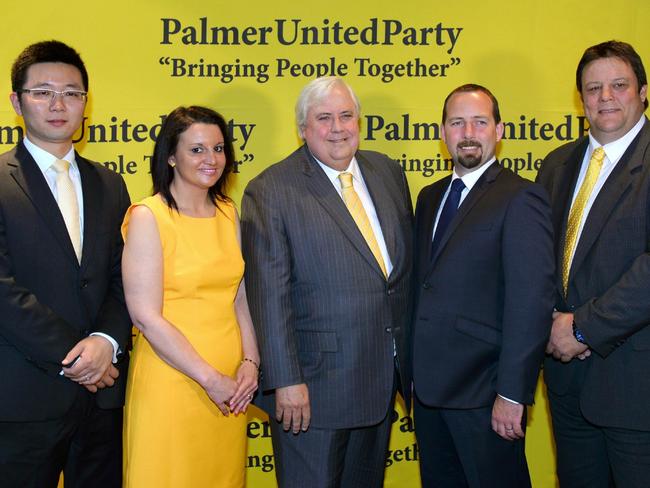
(327,241)
(599,379)
(484,270)
(64,327)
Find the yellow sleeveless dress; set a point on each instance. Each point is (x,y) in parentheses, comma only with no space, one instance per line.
(174,436)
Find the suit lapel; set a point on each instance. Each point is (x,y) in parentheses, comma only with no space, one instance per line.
(564,183)
(431,205)
(382,199)
(92,198)
(475,194)
(30,179)
(614,189)
(323,191)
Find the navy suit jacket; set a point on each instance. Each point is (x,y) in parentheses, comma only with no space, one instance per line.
(484,300)
(48,301)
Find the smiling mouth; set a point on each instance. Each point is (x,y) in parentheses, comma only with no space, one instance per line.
(468,147)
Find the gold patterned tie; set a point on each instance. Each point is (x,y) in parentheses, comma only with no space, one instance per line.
(353,202)
(67,199)
(578,208)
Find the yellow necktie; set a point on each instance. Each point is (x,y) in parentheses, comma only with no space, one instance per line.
(67,199)
(578,208)
(355,207)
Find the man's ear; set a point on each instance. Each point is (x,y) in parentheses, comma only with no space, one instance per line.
(14,98)
(500,128)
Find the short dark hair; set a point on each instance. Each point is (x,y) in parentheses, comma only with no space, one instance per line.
(45,52)
(613,49)
(177,122)
(472,87)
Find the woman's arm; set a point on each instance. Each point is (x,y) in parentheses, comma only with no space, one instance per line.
(142,271)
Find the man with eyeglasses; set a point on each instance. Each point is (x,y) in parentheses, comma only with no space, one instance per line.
(64,327)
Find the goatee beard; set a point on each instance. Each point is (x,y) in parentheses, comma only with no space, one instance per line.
(469,162)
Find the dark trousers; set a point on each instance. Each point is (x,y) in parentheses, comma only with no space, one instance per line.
(333,458)
(594,456)
(86,444)
(325,458)
(459,449)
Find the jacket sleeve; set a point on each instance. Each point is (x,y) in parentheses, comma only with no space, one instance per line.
(267,254)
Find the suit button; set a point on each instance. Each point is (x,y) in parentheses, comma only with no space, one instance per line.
(390,292)
(426,285)
(84,283)
(389,329)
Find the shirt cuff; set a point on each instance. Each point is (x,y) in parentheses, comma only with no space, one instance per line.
(116,348)
(509,400)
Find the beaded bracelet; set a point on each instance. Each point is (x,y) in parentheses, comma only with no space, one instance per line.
(251,361)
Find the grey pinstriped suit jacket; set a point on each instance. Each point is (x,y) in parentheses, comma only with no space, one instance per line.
(323,312)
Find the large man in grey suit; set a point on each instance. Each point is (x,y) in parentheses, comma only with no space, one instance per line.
(328,264)
(600,192)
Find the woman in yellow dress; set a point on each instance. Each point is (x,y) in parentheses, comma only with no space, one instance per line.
(195,361)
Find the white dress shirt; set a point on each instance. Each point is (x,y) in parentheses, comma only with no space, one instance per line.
(469,180)
(613,153)
(45,160)
(362,190)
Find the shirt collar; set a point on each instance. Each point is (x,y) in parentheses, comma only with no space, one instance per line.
(333,174)
(472,177)
(615,149)
(44,159)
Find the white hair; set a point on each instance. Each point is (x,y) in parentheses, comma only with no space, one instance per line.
(315,91)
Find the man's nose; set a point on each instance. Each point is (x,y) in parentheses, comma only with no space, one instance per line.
(56,102)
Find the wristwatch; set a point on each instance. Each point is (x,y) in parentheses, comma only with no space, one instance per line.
(577,334)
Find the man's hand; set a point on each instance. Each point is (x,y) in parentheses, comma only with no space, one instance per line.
(88,361)
(562,344)
(109,378)
(292,407)
(107,381)
(506,419)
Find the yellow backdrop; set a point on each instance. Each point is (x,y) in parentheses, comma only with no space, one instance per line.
(249,61)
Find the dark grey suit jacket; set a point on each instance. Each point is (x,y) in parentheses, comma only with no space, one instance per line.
(48,301)
(323,312)
(609,285)
(485,298)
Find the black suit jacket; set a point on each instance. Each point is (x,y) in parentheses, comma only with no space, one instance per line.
(323,311)
(482,317)
(609,285)
(48,301)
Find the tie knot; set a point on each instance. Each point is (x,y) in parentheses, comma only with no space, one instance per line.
(457,186)
(61,166)
(346,179)
(598,156)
